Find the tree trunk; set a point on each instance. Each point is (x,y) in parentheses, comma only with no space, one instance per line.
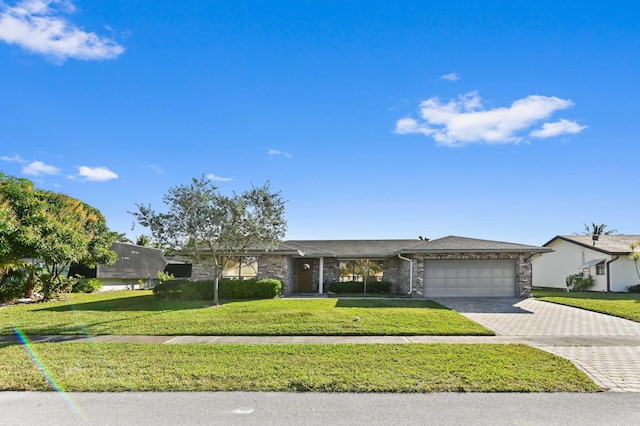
(216,282)
(32,280)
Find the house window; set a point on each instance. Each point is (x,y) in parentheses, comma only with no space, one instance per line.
(241,268)
(355,270)
(600,268)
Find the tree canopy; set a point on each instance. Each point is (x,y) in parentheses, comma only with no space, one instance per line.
(22,214)
(596,230)
(201,222)
(51,227)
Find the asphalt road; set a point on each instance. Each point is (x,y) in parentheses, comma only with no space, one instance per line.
(242,408)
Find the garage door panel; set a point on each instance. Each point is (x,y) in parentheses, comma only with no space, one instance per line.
(469,278)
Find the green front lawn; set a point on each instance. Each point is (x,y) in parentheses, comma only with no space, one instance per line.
(322,368)
(140,313)
(624,305)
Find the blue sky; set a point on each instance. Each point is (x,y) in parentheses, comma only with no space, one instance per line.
(513,121)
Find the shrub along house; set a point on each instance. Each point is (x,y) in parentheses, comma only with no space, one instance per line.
(446,267)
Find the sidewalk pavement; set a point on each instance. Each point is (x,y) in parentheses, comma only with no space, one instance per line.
(260,340)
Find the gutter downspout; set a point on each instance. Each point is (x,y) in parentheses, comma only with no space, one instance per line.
(609,273)
(410,272)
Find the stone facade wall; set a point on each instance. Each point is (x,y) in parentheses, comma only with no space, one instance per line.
(315,275)
(418,276)
(202,269)
(289,283)
(278,267)
(522,265)
(392,273)
(401,285)
(331,271)
(524,275)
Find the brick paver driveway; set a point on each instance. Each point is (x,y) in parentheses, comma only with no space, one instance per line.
(605,347)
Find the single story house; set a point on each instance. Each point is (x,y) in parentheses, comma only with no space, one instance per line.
(605,258)
(134,263)
(445,267)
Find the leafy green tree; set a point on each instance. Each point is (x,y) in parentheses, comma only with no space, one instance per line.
(74,232)
(53,228)
(206,225)
(366,267)
(22,215)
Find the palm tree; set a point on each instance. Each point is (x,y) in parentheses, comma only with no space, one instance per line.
(635,256)
(596,230)
(19,270)
(143,240)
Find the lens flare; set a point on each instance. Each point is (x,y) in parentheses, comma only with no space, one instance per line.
(95,347)
(26,344)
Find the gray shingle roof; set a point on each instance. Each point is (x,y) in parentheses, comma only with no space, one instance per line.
(133,262)
(610,244)
(386,248)
(453,244)
(346,248)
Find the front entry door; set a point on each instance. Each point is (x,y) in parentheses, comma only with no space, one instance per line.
(305,276)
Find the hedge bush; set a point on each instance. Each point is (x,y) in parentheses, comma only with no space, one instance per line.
(89,286)
(169,290)
(374,287)
(633,288)
(11,290)
(580,283)
(228,289)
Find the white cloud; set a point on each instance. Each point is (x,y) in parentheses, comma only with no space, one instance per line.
(154,168)
(211,176)
(40,27)
(15,158)
(97,174)
(561,127)
(465,120)
(451,77)
(276,152)
(37,168)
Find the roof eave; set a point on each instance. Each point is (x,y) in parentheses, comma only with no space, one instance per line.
(592,247)
(448,251)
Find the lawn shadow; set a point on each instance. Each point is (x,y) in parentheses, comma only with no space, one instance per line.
(388,303)
(484,305)
(147,303)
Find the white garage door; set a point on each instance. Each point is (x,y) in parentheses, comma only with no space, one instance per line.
(470,278)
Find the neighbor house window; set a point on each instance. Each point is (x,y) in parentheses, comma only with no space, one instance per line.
(355,270)
(600,268)
(241,268)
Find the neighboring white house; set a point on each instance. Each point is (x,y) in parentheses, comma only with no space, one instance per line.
(606,259)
